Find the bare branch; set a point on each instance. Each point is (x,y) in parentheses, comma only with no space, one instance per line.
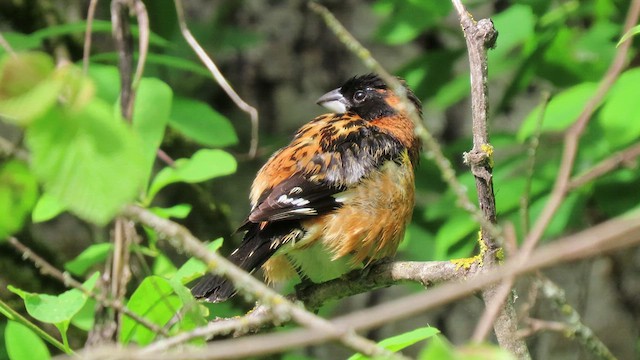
(626,157)
(246,284)
(220,79)
(378,276)
(574,327)
(257,318)
(67,280)
(86,51)
(611,235)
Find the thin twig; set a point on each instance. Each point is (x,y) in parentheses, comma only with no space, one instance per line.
(124,45)
(86,51)
(531,162)
(143,39)
(576,328)
(619,159)
(67,280)
(183,240)
(6,46)
(537,325)
(220,79)
(253,320)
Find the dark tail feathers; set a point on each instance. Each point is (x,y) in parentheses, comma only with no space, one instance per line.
(254,251)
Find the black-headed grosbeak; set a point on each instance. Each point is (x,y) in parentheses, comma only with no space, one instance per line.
(339,196)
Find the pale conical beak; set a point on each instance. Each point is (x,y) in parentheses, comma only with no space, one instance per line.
(334,101)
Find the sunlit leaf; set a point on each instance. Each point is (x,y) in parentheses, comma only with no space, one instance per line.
(402,341)
(199,122)
(194,268)
(632,32)
(55,309)
(620,114)
(561,112)
(47,207)
(23,344)
(91,256)
(179,211)
(204,165)
(151,113)
(154,300)
(88,159)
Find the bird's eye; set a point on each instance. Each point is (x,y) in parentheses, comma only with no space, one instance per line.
(359,96)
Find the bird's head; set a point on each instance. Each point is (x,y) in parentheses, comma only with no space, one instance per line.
(367,96)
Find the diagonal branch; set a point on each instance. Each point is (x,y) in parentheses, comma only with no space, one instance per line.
(611,235)
(246,284)
(67,280)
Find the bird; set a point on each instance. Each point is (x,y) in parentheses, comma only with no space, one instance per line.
(337,198)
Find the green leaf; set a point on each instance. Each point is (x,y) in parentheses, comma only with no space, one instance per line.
(47,207)
(179,211)
(515,25)
(454,230)
(408,19)
(156,301)
(88,159)
(107,81)
(163,266)
(91,256)
(194,268)
(198,121)
(55,309)
(632,32)
(620,114)
(438,349)
(151,113)
(399,342)
(22,343)
(19,42)
(561,112)
(18,194)
(27,89)
(85,318)
(483,352)
(204,165)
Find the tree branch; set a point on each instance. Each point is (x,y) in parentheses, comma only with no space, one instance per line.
(611,235)
(67,280)
(574,327)
(246,284)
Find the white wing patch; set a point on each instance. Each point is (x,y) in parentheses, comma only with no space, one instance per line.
(284,199)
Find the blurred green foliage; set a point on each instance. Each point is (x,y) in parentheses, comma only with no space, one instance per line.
(86,160)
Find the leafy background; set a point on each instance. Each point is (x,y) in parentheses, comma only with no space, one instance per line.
(82,162)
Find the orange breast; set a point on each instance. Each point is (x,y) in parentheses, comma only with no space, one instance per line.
(369,226)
